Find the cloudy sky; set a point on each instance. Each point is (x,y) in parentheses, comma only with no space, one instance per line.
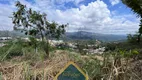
(99,16)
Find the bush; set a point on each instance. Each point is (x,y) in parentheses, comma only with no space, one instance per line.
(11,49)
(132,38)
(16,51)
(93,67)
(110,46)
(3,51)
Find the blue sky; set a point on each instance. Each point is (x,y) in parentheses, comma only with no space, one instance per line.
(99,16)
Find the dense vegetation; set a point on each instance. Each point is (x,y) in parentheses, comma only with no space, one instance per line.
(34,23)
(118,62)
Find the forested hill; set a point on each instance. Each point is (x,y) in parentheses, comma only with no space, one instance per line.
(11,34)
(89,36)
(82,35)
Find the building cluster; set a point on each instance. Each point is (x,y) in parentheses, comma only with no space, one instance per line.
(95,51)
(5,38)
(89,49)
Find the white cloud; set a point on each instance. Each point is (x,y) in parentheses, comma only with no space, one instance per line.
(114,2)
(96,16)
(5,13)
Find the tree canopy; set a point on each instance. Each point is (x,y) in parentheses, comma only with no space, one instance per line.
(34,23)
(136,7)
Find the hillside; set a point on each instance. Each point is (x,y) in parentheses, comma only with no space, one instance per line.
(89,36)
(82,35)
(11,34)
(21,68)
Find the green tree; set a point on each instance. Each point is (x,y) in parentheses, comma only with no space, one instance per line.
(132,38)
(136,7)
(34,23)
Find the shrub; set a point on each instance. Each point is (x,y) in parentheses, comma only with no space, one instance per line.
(16,51)
(111,46)
(133,39)
(93,67)
(11,49)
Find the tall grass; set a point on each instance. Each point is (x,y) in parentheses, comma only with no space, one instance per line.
(112,65)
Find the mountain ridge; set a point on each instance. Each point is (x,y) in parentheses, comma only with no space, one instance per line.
(89,35)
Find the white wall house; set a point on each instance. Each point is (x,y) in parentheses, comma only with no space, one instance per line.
(5,38)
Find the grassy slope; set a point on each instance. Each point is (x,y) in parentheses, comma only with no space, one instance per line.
(109,67)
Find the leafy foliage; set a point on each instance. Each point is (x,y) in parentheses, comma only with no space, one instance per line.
(132,38)
(35,24)
(136,7)
(11,49)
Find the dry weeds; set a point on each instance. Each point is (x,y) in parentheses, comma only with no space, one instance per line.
(114,69)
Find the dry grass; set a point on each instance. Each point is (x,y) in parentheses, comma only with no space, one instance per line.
(111,68)
(45,70)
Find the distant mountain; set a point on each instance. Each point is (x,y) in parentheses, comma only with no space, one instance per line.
(88,36)
(11,34)
(81,35)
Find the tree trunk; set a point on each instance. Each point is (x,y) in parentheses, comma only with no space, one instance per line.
(42,37)
(35,48)
(46,49)
(45,44)
(139,38)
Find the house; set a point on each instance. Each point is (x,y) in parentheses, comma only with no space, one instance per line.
(5,38)
(55,42)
